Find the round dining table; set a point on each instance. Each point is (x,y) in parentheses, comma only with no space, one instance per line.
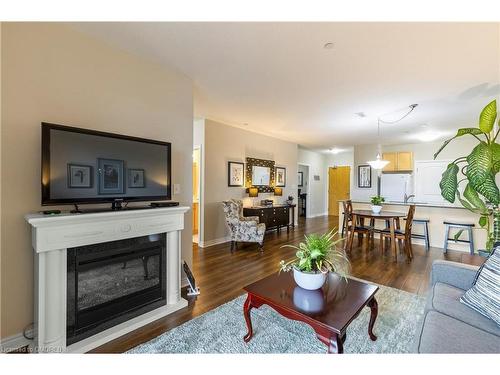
(393,218)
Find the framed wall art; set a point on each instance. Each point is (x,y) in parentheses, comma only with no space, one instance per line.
(364,176)
(235,174)
(280,177)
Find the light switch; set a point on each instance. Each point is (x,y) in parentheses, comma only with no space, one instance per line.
(177,188)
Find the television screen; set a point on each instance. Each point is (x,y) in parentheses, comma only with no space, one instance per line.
(86,166)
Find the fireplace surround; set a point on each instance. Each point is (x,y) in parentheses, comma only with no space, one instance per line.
(141,251)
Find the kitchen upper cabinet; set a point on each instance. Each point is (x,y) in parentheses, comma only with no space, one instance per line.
(392,157)
(405,161)
(398,161)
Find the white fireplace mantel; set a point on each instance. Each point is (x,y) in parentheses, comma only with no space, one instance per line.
(52,235)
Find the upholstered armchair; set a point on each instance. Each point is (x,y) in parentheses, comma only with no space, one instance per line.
(243,229)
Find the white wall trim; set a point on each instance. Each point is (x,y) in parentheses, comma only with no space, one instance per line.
(15,342)
(317,215)
(215,241)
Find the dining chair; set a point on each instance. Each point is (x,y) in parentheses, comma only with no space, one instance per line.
(400,235)
(363,231)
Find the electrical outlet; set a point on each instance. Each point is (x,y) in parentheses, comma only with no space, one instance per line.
(177,188)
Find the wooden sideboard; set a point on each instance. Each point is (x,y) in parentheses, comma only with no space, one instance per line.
(275,217)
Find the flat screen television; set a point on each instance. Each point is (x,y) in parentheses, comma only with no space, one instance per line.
(87,166)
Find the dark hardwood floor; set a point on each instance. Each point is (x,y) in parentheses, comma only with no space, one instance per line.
(222,275)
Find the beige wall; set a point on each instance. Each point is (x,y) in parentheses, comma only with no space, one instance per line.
(53,73)
(317,190)
(225,143)
(362,154)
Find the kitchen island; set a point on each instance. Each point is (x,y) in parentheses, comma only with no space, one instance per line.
(436,214)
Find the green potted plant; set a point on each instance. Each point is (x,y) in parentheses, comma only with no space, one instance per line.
(376,202)
(315,257)
(478,171)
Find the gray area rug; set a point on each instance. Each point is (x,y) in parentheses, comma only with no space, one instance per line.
(221,330)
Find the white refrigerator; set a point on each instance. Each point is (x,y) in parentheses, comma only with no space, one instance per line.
(394,186)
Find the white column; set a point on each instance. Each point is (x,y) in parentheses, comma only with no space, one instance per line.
(51,306)
(173,267)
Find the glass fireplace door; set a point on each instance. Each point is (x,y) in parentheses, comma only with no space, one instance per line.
(113,282)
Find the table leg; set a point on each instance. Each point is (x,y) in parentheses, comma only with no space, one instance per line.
(360,235)
(336,344)
(393,239)
(344,336)
(351,233)
(246,311)
(373,305)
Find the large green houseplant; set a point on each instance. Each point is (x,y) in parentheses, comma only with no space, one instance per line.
(478,170)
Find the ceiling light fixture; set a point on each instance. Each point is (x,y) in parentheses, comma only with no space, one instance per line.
(335,150)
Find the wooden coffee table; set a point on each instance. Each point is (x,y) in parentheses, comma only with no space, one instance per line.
(328,310)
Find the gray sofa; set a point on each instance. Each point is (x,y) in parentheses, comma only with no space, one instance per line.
(449,326)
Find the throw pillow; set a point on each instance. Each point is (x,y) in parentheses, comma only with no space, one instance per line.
(484,296)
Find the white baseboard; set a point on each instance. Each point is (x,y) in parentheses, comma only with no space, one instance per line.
(15,342)
(213,242)
(316,215)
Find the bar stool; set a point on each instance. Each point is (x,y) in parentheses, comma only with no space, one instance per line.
(460,226)
(425,235)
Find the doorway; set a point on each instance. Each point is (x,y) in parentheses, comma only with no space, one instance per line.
(339,187)
(304,190)
(196,192)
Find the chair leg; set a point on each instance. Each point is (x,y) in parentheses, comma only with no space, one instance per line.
(381,244)
(426,234)
(446,235)
(232,246)
(471,241)
(261,246)
(343,224)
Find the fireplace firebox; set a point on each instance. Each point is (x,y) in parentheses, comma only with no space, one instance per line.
(111,282)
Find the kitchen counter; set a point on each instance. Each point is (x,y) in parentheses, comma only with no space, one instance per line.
(436,214)
(417,204)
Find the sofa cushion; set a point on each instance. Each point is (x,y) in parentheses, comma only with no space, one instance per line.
(443,334)
(445,299)
(484,296)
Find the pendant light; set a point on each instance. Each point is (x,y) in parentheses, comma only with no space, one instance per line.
(378,164)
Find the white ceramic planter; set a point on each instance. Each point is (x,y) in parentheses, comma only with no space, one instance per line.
(309,281)
(376,209)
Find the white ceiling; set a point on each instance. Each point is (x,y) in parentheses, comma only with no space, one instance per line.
(278,78)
